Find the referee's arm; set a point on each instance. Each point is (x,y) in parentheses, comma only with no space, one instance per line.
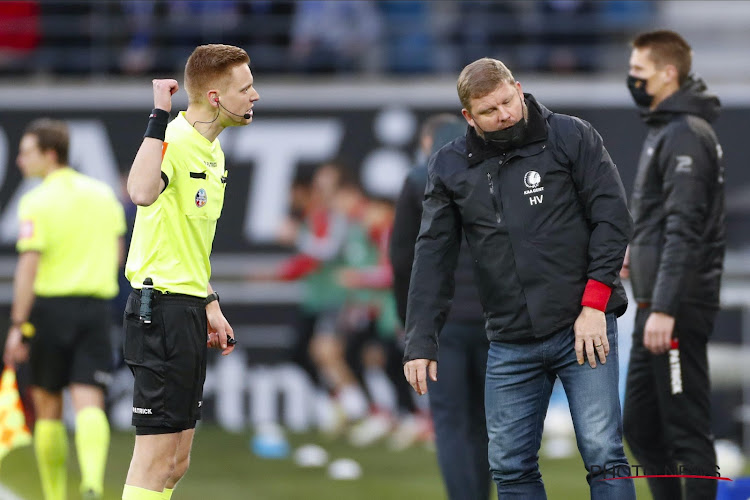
(145,181)
(23,286)
(23,298)
(219,328)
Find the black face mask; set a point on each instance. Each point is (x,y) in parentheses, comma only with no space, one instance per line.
(507,138)
(637,88)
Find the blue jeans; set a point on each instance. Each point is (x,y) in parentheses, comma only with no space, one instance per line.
(519,382)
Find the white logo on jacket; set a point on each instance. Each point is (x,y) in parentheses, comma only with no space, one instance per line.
(684,164)
(531,180)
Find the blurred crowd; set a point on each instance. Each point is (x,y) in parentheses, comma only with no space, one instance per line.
(349,336)
(317,36)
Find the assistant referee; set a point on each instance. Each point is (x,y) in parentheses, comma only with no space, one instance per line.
(178,181)
(70,246)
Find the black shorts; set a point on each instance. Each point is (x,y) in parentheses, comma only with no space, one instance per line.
(72,342)
(168,361)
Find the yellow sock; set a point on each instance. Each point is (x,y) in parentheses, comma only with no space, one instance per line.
(136,493)
(92,443)
(51,449)
(167,493)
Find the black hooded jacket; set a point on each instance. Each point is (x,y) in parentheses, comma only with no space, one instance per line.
(677,252)
(466,306)
(540,221)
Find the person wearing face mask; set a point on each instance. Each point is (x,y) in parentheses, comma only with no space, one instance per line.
(545,217)
(675,266)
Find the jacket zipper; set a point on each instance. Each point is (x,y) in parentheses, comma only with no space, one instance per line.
(494,200)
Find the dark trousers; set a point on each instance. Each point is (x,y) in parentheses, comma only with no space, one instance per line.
(667,414)
(457,406)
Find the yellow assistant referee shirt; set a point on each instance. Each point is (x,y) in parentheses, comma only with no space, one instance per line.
(74,222)
(172,238)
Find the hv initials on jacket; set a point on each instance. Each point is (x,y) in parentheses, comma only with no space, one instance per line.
(540,220)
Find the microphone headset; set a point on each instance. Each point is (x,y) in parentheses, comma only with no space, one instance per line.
(246,116)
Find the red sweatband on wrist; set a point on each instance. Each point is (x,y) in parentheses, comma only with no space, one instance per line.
(596,295)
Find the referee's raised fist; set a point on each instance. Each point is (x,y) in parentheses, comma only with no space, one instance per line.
(163,90)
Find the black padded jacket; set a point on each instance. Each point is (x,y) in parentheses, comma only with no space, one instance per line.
(677,252)
(540,220)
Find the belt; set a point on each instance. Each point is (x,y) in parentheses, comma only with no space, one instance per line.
(159,293)
(644,305)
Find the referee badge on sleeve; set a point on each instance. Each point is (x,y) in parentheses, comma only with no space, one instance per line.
(200,198)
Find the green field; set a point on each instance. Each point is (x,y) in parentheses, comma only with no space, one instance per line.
(223,468)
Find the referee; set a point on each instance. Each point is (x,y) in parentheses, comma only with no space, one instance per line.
(70,246)
(178,181)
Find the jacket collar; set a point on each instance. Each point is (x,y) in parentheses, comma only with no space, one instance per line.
(691,98)
(478,150)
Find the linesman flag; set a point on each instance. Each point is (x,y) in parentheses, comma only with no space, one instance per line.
(13,429)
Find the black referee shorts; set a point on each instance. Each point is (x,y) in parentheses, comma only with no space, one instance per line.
(168,361)
(72,342)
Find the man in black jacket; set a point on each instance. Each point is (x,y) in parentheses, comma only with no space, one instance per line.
(676,260)
(457,400)
(546,221)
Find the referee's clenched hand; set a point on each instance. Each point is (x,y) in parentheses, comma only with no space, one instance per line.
(163,91)
(218,329)
(16,351)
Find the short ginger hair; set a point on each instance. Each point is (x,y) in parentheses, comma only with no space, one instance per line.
(209,66)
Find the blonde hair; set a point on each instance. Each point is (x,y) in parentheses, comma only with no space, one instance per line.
(209,63)
(480,78)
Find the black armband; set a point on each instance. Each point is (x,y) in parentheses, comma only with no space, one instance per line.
(157,124)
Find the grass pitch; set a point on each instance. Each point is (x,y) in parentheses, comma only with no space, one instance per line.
(224,468)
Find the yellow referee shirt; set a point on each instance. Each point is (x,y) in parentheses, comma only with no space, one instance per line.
(172,238)
(74,222)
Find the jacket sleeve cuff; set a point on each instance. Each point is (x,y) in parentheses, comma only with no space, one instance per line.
(424,348)
(664,306)
(596,295)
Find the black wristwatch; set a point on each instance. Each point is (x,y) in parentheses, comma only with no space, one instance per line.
(211,298)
